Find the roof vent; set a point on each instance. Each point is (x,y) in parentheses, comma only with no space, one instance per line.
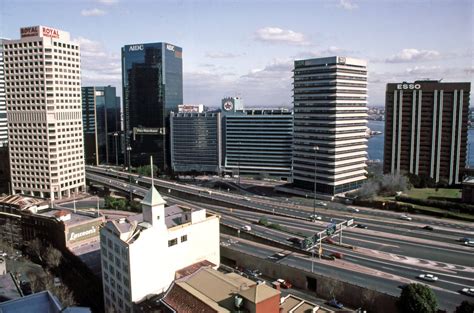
(122,220)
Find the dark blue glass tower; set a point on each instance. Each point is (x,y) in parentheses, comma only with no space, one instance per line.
(152,77)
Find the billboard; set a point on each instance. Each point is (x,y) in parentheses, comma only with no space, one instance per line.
(83,232)
(29,31)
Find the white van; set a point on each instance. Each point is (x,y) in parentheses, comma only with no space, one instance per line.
(246,228)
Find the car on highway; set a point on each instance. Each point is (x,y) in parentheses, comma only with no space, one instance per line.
(469,243)
(428,277)
(464,239)
(314,217)
(337,255)
(295,240)
(354,210)
(329,240)
(246,228)
(428,227)
(284,283)
(321,203)
(335,304)
(468,291)
(361,226)
(405,217)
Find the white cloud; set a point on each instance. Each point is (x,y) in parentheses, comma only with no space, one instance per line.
(411,55)
(93,12)
(99,67)
(278,35)
(330,51)
(221,55)
(108,2)
(347,5)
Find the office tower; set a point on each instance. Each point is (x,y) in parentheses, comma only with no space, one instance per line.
(102,127)
(256,141)
(152,78)
(330,120)
(426,129)
(3,108)
(43,97)
(196,142)
(141,253)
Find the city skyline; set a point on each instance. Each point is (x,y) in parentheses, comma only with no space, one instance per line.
(241,48)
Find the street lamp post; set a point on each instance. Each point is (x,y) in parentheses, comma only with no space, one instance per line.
(238,165)
(116,148)
(316,148)
(130,173)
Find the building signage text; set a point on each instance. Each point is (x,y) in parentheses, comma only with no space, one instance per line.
(408,86)
(29,31)
(135,48)
(84,233)
(50,32)
(170,47)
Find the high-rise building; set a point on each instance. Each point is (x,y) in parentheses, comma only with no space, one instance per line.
(330,120)
(196,142)
(102,126)
(426,129)
(256,141)
(43,98)
(3,107)
(141,253)
(152,78)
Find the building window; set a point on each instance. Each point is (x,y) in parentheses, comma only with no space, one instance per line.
(184,238)
(172,242)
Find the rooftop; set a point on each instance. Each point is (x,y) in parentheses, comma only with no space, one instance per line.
(77,217)
(215,290)
(21,202)
(42,302)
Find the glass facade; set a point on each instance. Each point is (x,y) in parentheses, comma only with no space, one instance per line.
(101,120)
(258,142)
(152,78)
(195,142)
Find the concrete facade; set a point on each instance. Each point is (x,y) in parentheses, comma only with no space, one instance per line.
(141,254)
(43,101)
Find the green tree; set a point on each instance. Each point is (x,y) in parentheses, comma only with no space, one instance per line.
(115,204)
(52,257)
(146,170)
(263,221)
(417,298)
(465,307)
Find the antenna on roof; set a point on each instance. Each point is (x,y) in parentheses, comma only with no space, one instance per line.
(151,170)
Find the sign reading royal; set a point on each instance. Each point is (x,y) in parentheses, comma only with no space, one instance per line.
(29,31)
(136,48)
(50,32)
(83,232)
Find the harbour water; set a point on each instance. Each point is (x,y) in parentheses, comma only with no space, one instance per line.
(376,143)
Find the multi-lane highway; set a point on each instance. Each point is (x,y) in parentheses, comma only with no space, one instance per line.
(389,253)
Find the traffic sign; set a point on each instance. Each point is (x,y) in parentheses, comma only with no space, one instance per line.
(350,222)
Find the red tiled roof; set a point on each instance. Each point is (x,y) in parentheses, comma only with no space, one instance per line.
(192,268)
(184,302)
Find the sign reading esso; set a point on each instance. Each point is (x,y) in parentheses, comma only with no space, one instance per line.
(408,86)
(170,47)
(50,32)
(135,48)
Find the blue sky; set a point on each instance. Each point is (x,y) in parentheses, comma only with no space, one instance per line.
(247,48)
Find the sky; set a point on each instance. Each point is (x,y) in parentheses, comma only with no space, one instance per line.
(247,48)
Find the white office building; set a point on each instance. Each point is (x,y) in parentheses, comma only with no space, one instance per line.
(43,102)
(3,107)
(141,253)
(330,120)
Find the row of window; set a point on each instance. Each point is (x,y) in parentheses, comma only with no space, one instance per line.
(173,242)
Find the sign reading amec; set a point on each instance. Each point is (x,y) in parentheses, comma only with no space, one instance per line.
(405,86)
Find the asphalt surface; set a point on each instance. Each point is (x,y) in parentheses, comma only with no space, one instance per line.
(390,252)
